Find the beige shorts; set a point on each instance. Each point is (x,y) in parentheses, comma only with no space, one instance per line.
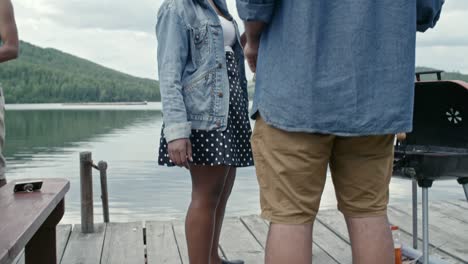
(292,167)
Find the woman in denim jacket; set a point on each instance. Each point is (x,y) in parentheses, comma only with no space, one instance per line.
(205,111)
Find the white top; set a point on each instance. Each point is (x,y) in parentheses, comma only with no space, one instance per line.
(229,32)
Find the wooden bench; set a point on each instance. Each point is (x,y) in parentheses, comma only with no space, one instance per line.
(28,220)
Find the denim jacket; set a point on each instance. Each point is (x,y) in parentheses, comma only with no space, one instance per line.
(192,67)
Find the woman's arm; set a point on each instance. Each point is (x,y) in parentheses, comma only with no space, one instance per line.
(173,49)
(8,32)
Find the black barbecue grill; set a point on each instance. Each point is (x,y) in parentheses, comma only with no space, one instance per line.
(438,146)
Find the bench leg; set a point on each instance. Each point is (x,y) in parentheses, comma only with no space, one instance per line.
(42,248)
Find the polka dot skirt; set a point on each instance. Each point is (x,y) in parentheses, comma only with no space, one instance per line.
(230,147)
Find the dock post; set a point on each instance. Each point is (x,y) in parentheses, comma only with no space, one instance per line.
(86,186)
(102,165)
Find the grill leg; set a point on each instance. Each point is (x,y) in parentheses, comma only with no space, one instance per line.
(415,214)
(464,183)
(425,210)
(425,184)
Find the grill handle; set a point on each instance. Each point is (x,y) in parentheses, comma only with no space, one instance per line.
(437,72)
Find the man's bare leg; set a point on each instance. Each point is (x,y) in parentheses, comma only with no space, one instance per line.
(289,244)
(371,240)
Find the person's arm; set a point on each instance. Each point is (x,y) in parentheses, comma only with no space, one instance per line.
(173,49)
(8,32)
(428,13)
(253,31)
(256,14)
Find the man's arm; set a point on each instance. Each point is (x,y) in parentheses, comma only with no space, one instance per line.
(256,14)
(8,32)
(428,13)
(253,31)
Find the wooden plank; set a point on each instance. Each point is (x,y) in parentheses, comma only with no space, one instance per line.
(335,221)
(63,234)
(238,243)
(452,227)
(460,203)
(85,248)
(451,210)
(20,258)
(123,244)
(161,244)
(179,231)
(23,214)
(332,244)
(438,237)
(320,256)
(259,229)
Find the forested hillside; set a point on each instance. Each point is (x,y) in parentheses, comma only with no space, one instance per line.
(49,75)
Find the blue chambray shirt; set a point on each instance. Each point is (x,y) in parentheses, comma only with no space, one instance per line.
(338,67)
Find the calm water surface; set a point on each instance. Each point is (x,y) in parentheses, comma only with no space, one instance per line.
(44,141)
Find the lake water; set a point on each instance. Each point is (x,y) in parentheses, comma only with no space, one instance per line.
(44,141)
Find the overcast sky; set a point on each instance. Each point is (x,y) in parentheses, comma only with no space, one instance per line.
(120,34)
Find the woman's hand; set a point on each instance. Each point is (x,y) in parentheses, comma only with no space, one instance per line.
(180,152)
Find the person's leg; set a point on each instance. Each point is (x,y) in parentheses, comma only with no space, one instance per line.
(371,240)
(215,258)
(2,138)
(289,244)
(361,170)
(207,187)
(291,170)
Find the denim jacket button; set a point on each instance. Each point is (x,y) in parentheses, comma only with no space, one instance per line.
(220,65)
(220,94)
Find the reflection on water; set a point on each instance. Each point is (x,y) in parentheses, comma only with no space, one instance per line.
(44,141)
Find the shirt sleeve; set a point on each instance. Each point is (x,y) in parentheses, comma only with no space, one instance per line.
(173,49)
(256,10)
(428,13)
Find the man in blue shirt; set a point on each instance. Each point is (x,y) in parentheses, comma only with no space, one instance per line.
(334,85)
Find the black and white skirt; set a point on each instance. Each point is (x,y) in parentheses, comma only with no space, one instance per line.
(230,147)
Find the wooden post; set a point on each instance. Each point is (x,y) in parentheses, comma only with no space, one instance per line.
(86,177)
(102,165)
(42,248)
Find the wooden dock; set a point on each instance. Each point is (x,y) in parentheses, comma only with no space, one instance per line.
(244,238)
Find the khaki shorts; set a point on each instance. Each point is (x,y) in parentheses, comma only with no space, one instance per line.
(292,167)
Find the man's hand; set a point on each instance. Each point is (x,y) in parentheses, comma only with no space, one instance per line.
(253,31)
(180,152)
(251,54)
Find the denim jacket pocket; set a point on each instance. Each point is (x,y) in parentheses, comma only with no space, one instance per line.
(198,95)
(201,44)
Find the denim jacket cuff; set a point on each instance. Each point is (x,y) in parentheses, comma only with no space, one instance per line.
(256,10)
(177,131)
